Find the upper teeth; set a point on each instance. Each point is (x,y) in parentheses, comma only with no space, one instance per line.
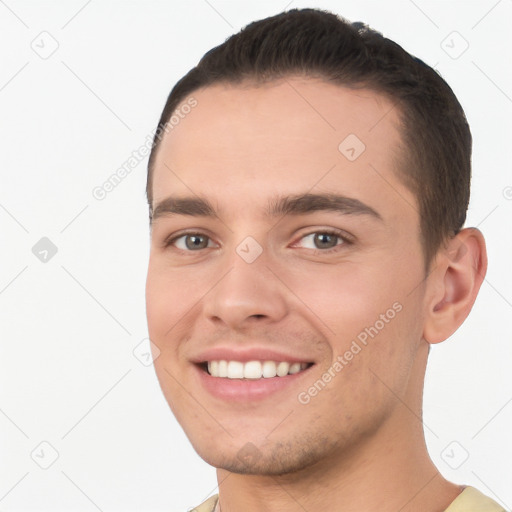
(253,369)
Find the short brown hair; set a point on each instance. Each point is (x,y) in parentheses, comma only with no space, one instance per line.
(436,166)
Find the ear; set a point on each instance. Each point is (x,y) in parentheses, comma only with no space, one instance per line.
(453,284)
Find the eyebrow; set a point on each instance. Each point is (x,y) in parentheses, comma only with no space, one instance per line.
(300,204)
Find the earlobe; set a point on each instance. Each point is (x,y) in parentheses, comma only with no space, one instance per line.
(454,284)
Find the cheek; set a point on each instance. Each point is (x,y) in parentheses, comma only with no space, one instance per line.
(369,369)
(343,299)
(167,304)
(363,314)
(156,300)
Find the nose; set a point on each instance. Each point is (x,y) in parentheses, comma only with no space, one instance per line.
(248,293)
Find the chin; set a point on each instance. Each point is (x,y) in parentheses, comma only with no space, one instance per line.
(275,460)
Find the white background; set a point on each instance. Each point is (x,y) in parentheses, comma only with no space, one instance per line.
(68,375)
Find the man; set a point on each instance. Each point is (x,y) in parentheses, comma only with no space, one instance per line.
(308,186)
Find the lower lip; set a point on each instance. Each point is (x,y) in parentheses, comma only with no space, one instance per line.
(246,389)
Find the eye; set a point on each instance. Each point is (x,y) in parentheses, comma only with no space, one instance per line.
(323,240)
(190,242)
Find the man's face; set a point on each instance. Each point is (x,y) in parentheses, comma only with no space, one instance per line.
(336,290)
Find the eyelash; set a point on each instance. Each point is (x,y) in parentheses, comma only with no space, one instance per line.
(346,240)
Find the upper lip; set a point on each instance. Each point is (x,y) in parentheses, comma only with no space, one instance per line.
(244,354)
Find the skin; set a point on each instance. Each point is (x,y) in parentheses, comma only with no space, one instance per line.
(359,439)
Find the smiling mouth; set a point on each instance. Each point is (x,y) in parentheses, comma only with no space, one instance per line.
(252,370)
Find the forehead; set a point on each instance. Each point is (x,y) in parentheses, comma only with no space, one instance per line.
(287,136)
